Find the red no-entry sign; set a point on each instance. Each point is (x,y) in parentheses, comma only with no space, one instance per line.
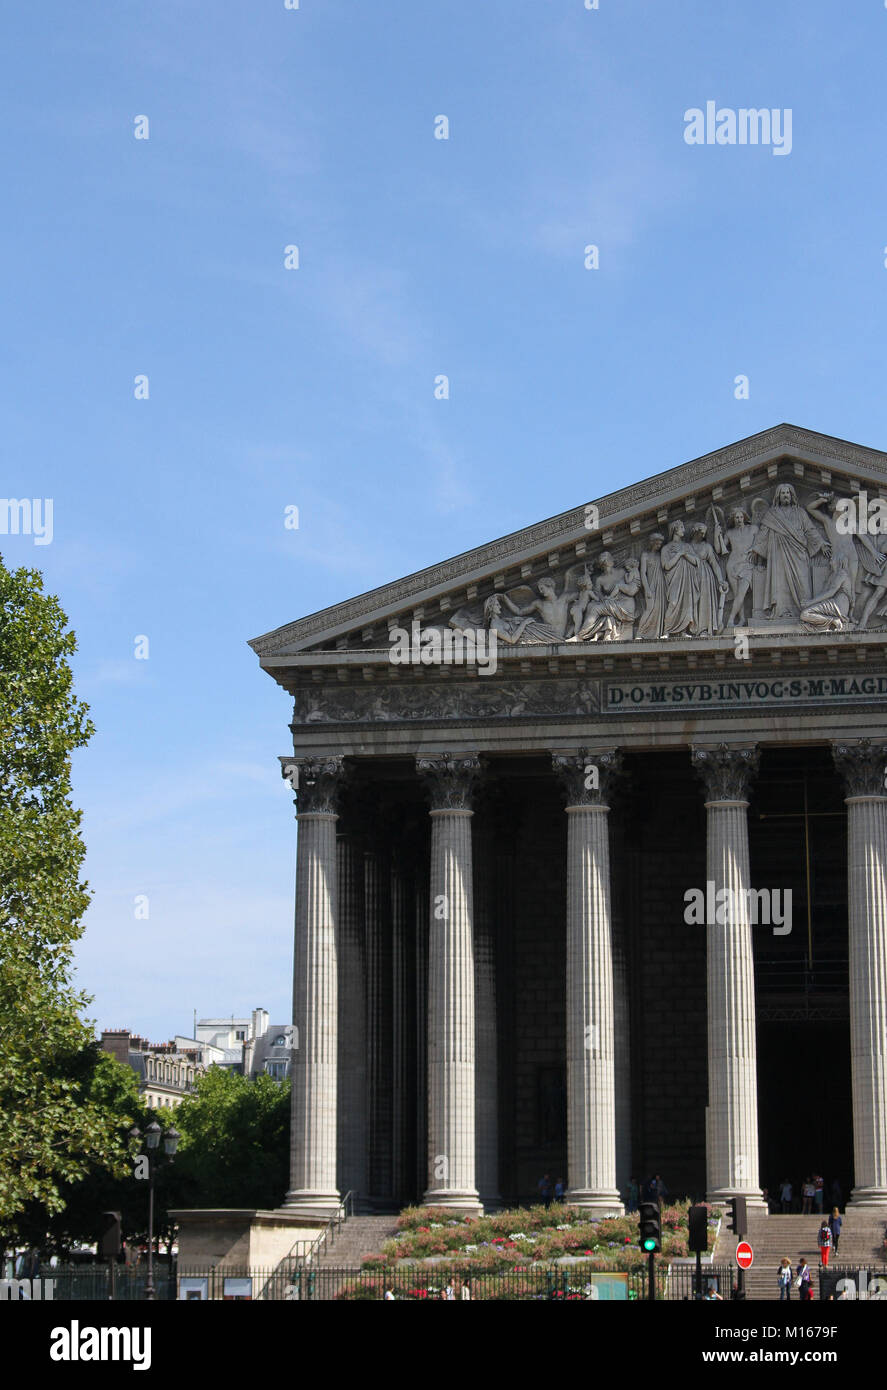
(744,1254)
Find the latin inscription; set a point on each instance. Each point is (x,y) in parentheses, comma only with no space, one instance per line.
(771,690)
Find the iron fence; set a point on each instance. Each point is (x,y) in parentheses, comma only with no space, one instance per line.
(407,1283)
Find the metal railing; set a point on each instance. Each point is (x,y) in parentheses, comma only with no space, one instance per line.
(307,1251)
(302,1282)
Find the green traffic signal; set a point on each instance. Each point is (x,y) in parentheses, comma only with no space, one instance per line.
(649,1245)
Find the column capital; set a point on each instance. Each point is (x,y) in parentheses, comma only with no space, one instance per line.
(450,781)
(587,776)
(726,771)
(863,767)
(317,782)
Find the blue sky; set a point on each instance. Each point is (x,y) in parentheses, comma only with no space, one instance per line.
(313,387)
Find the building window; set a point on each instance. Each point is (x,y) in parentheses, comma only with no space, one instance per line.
(240,1035)
(279,1041)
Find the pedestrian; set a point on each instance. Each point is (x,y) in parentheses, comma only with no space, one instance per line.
(825,1243)
(634,1193)
(389,1296)
(450,1294)
(545,1190)
(818,1192)
(807,1192)
(802,1281)
(466,1291)
(786,1194)
(784,1279)
(560,1189)
(835,1223)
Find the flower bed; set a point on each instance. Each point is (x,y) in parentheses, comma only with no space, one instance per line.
(525,1237)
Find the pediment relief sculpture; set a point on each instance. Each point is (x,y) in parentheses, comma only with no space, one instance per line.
(779,561)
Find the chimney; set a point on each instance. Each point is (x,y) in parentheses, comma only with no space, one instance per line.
(116,1041)
(259,1024)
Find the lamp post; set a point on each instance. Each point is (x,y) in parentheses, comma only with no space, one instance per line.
(152,1145)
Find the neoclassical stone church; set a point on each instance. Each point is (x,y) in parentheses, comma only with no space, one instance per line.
(683,695)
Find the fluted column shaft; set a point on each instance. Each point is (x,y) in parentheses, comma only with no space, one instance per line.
(591,1071)
(380,1043)
(315,993)
(451,1022)
(352,1101)
(864,766)
(732,1118)
(486,1033)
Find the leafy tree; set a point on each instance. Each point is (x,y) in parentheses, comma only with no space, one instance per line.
(234,1149)
(114,1087)
(52,1127)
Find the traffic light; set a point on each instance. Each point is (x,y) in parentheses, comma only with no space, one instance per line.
(651,1227)
(109,1234)
(736,1217)
(697,1223)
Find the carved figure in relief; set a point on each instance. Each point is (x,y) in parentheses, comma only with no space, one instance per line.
(609,617)
(712,587)
(552,608)
(877,599)
(735,542)
(653,584)
(786,542)
(583,598)
(860,551)
(680,564)
(506,628)
(830,610)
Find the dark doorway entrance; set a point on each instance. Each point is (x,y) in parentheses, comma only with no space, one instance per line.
(797,843)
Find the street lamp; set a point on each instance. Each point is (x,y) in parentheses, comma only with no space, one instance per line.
(152,1142)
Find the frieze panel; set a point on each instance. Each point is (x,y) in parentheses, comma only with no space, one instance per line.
(467,700)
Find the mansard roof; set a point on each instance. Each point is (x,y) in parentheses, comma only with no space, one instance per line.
(625,518)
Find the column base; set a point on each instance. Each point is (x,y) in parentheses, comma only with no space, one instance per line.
(468,1202)
(601,1203)
(868,1197)
(307,1202)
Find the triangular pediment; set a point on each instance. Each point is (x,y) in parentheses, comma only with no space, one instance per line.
(605,574)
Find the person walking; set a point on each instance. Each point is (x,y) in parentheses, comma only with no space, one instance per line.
(545,1189)
(560,1190)
(807,1197)
(802,1281)
(818,1192)
(784,1279)
(825,1243)
(786,1195)
(835,1223)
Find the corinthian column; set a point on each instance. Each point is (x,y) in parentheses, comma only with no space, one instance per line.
(591,1075)
(315,991)
(451,1039)
(732,1117)
(352,1100)
(864,768)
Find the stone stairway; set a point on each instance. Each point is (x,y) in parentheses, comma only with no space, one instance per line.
(359,1236)
(772,1237)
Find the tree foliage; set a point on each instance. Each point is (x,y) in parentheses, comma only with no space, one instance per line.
(234,1150)
(52,1126)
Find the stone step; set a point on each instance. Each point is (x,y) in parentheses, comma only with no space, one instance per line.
(360,1235)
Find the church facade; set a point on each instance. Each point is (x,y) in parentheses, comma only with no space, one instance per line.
(592,849)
